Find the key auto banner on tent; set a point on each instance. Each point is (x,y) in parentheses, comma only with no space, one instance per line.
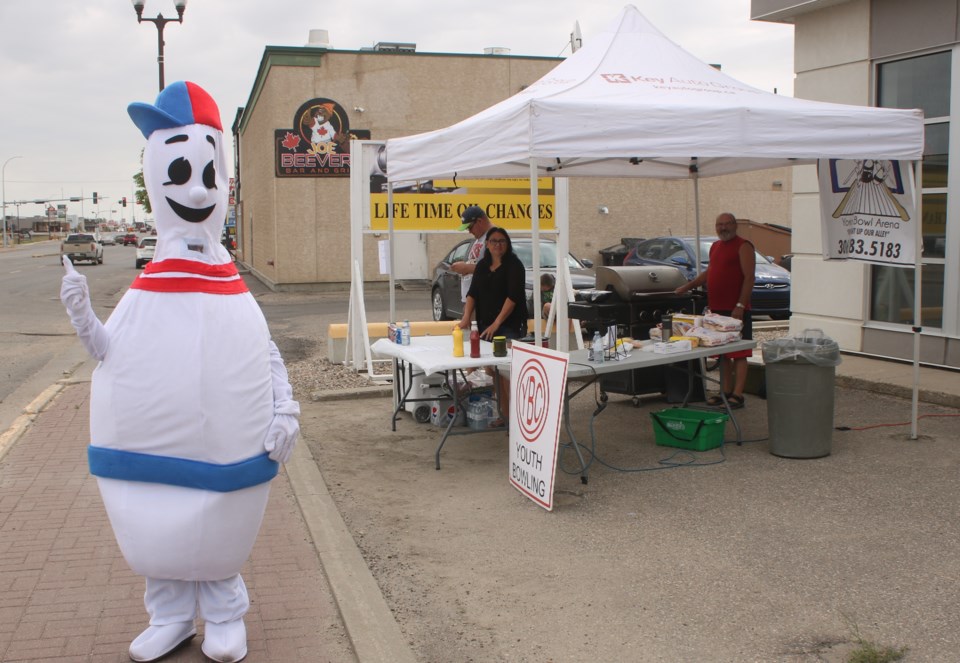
(866,209)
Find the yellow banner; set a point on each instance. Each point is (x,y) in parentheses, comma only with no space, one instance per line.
(505,202)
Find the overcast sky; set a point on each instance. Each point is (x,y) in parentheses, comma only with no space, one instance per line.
(69,68)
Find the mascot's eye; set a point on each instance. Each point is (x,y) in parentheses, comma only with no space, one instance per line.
(179,171)
(210,176)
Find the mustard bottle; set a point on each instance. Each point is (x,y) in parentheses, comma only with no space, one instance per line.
(457,341)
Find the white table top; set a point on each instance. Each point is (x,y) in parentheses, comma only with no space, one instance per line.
(581,367)
(434,354)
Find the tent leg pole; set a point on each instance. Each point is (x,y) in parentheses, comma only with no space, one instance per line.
(917,308)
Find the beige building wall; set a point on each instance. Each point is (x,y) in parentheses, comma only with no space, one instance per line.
(837,45)
(294,232)
(832,62)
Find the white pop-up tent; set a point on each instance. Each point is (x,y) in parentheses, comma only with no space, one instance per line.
(632,103)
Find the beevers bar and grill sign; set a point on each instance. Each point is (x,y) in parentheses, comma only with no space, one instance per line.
(318,145)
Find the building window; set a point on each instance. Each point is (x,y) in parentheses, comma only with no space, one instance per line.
(920,82)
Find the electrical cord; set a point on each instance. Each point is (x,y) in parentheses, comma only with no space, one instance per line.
(667,463)
(904,423)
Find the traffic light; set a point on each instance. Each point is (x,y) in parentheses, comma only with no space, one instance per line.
(94,197)
(123,201)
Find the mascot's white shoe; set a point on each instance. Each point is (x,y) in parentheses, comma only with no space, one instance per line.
(158,641)
(226,642)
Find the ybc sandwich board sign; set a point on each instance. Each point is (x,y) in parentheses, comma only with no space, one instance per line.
(538,378)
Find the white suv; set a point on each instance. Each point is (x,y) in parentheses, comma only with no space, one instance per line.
(145,250)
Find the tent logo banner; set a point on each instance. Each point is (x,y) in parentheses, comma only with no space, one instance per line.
(866,210)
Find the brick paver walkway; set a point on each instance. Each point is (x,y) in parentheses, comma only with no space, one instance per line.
(66,594)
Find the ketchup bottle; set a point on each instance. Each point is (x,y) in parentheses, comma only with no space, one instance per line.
(474,341)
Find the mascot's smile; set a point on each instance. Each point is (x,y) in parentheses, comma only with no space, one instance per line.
(190,214)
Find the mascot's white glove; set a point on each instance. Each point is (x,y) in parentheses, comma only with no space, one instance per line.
(76,298)
(285,427)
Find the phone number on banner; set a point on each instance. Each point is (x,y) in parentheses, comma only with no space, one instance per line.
(873,248)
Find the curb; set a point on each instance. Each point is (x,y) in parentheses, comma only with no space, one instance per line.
(373,630)
(352,394)
(923,395)
(22,423)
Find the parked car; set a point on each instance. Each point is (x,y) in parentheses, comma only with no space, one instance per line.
(145,251)
(445,291)
(130,239)
(771,288)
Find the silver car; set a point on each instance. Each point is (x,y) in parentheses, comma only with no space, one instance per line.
(445,291)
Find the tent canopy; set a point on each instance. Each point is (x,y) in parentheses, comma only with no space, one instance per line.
(632,103)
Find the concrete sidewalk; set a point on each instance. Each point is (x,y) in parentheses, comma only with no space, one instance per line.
(66,593)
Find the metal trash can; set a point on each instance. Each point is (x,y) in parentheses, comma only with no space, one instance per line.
(800,377)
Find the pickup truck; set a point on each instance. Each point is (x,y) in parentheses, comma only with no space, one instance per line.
(82,246)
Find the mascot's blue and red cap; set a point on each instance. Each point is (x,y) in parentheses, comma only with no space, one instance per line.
(178,105)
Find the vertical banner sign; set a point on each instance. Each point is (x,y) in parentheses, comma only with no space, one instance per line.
(538,380)
(866,210)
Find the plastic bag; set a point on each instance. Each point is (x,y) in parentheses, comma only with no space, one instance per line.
(479,379)
(721,322)
(713,337)
(812,348)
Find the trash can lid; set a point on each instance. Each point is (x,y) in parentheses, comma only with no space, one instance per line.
(812,347)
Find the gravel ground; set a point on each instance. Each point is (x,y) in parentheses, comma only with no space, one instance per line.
(317,373)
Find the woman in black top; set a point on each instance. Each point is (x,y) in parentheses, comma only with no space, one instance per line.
(497,293)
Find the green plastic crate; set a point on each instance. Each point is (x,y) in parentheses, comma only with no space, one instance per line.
(696,430)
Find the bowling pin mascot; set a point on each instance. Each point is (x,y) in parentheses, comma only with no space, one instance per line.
(190,407)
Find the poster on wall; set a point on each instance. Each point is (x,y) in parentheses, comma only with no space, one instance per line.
(436,204)
(318,145)
(867,210)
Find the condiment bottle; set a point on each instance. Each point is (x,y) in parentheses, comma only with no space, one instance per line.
(474,340)
(457,341)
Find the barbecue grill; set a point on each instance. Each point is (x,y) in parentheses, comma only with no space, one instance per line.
(638,298)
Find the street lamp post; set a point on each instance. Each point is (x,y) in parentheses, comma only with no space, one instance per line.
(3,192)
(160,21)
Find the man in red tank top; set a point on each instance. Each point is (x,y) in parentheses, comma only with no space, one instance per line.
(729,278)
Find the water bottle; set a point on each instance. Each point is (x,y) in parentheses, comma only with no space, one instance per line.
(406,332)
(398,334)
(474,340)
(597,347)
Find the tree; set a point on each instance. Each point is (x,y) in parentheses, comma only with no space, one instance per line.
(141,189)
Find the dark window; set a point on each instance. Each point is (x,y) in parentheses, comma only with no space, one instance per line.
(922,82)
